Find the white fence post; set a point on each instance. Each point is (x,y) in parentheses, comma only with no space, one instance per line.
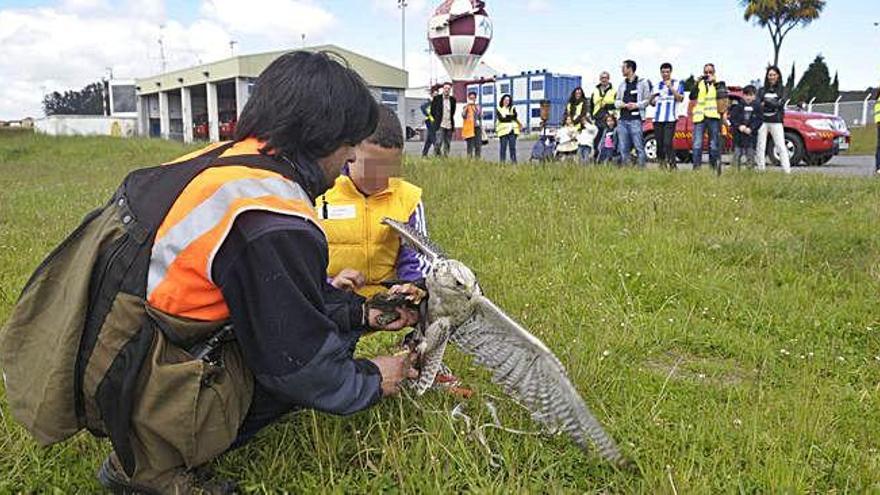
(810,104)
(865,109)
(837,106)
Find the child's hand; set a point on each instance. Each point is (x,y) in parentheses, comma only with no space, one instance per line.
(349,280)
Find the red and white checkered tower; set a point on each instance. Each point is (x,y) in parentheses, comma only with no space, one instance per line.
(460,32)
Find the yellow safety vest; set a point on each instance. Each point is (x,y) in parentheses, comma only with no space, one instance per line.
(600,101)
(707,103)
(356,236)
(505,128)
(574,111)
(877,111)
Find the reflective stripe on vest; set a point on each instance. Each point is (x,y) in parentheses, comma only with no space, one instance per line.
(707,103)
(179,281)
(600,101)
(505,128)
(355,235)
(877,112)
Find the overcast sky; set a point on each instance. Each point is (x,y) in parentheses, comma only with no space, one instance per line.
(48,45)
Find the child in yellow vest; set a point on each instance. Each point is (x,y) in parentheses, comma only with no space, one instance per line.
(364,252)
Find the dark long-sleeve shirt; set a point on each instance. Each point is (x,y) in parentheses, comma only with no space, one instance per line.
(747,114)
(297,334)
(772,101)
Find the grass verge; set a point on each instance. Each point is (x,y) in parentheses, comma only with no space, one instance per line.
(724,330)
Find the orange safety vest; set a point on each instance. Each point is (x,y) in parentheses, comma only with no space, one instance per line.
(469,127)
(179,279)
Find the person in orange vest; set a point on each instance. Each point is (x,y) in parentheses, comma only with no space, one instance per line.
(242,243)
(472,127)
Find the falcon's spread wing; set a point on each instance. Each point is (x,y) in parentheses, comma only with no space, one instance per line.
(520,363)
(414,238)
(528,371)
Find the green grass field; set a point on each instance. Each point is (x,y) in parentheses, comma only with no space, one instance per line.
(864,140)
(726,331)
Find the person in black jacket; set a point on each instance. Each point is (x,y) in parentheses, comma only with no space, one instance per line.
(296,333)
(745,120)
(771,99)
(443,113)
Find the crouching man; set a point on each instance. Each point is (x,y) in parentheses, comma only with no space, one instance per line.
(193,309)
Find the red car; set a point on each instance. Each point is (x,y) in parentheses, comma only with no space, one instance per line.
(811,138)
(226,127)
(200,127)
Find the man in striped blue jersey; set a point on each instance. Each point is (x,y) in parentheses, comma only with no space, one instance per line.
(666,97)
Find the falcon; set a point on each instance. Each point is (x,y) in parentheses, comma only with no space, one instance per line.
(458,312)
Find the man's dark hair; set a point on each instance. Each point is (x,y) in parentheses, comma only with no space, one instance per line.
(388,133)
(666,65)
(750,90)
(308,104)
(474,93)
(631,64)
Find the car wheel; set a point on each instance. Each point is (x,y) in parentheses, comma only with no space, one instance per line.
(795,146)
(651,147)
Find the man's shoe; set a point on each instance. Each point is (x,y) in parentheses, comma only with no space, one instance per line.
(113,478)
(185,482)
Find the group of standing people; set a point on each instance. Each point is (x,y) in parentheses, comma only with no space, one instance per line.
(439,115)
(620,114)
(608,125)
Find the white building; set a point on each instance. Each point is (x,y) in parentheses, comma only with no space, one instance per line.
(204,102)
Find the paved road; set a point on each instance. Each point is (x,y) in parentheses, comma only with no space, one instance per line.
(841,165)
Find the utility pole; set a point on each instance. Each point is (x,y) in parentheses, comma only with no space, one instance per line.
(303,38)
(162,47)
(401,4)
(162,54)
(232,44)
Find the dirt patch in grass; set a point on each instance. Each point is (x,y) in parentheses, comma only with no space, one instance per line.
(683,366)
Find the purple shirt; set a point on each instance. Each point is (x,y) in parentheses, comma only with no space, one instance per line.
(412,265)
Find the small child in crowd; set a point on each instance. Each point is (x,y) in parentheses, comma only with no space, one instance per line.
(567,142)
(608,141)
(745,120)
(585,140)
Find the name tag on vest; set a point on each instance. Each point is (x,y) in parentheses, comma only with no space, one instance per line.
(341,212)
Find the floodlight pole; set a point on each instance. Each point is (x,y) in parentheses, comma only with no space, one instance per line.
(401,4)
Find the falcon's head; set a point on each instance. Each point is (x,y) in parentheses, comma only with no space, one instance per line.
(452,282)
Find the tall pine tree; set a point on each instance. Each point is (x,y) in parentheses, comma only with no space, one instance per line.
(789,84)
(835,87)
(815,83)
